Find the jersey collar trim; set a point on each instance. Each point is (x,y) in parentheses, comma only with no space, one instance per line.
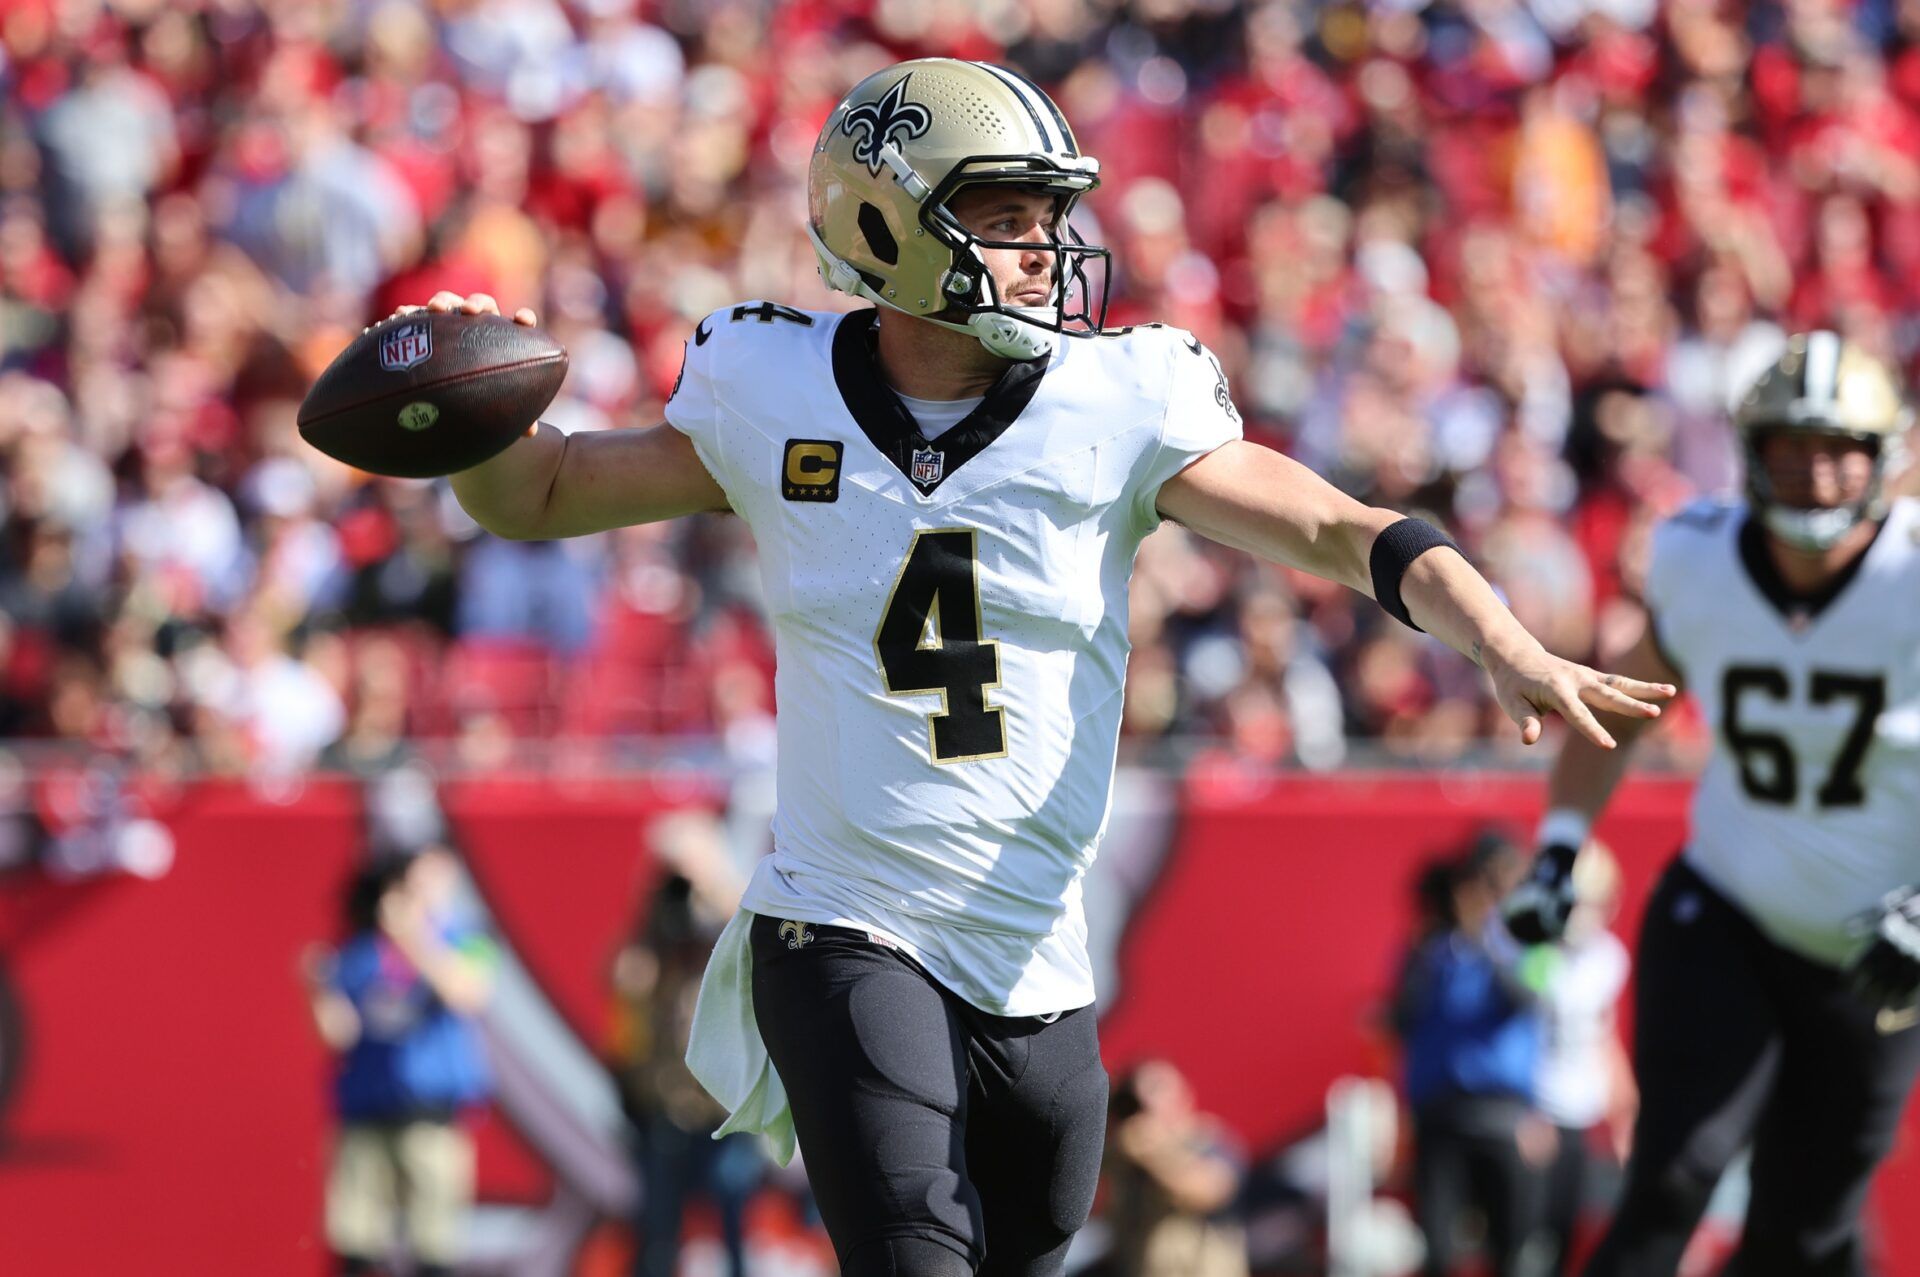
(891,428)
(1766,577)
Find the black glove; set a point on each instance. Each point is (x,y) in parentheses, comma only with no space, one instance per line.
(1537,910)
(1887,972)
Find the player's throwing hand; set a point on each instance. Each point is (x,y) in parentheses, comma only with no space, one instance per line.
(444,302)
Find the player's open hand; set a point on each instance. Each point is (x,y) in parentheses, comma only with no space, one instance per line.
(473,304)
(1538,683)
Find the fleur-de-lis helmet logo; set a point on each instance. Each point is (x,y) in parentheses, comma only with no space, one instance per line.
(872,125)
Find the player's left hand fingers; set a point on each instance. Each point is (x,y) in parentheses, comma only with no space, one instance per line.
(1519,704)
(1641,690)
(479,304)
(1644,698)
(1569,706)
(1605,692)
(525,317)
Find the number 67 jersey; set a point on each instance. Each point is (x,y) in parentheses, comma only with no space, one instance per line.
(950,620)
(1809,809)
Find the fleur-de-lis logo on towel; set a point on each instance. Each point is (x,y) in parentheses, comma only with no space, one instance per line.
(873,124)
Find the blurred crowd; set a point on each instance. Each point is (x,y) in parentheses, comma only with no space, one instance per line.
(1499,262)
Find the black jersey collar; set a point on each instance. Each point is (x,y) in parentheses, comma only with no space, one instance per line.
(1765,574)
(891,428)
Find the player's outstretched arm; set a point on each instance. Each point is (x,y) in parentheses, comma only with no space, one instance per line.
(550,484)
(1257,500)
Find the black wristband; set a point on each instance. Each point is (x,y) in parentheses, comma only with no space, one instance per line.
(1394,551)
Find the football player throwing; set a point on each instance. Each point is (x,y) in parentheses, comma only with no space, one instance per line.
(947,489)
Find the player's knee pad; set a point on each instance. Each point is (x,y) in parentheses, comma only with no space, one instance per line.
(905,1257)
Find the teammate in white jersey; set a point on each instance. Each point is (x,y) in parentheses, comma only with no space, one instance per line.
(1780,957)
(907,986)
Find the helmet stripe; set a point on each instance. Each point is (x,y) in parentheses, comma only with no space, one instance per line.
(1046,103)
(1039,123)
(1822,368)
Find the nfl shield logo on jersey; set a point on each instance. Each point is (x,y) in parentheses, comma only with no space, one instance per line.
(928,465)
(409,344)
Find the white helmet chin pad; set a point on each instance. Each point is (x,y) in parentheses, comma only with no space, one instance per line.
(1812,529)
(1011,337)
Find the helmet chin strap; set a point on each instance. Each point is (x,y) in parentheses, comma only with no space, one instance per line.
(1008,335)
(1006,331)
(1005,334)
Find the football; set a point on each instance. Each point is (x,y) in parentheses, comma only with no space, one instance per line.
(427,394)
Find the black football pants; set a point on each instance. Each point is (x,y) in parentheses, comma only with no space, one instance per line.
(1738,1040)
(939,1140)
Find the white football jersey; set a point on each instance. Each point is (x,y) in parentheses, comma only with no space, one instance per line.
(1809,810)
(950,619)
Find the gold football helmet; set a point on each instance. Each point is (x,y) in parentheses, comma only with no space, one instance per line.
(1826,385)
(897,149)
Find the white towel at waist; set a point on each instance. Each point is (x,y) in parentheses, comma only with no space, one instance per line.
(724,1049)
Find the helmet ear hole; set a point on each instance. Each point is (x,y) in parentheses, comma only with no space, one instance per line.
(873,225)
